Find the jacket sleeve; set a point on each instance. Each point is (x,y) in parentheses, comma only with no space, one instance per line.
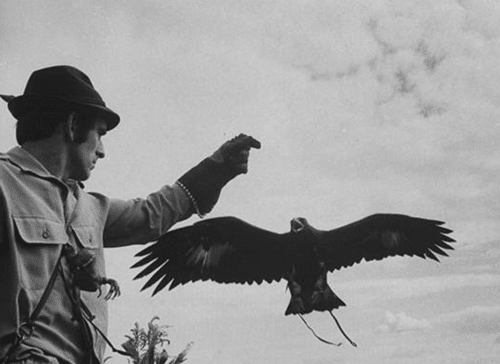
(139,221)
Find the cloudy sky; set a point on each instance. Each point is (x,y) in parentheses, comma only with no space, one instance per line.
(361,107)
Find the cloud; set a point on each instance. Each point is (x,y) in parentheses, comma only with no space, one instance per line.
(476,319)
(364,291)
(361,107)
(403,322)
(477,258)
(482,17)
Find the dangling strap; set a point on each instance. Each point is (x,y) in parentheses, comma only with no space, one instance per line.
(89,318)
(342,331)
(326,341)
(25,330)
(315,335)
(84,314)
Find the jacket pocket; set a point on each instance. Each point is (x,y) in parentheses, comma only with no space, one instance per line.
(87,236)
(38,249)
(40,230)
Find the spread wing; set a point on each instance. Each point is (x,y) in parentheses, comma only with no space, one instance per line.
(225,250)
(382,235)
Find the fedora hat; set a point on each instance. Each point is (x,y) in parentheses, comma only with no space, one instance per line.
(60,86)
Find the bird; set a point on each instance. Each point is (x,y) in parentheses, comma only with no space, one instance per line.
(230,250)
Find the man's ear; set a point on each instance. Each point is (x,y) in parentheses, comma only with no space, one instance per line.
(71,126)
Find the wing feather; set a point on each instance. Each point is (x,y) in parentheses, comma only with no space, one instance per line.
(224,249)
(383,235)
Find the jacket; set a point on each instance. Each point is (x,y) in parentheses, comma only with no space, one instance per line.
(39,214)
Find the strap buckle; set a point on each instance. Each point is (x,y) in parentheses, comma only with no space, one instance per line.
(24,331)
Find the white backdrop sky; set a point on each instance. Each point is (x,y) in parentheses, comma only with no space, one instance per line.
(361,107)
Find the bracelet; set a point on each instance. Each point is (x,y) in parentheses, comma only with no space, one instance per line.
(191,197)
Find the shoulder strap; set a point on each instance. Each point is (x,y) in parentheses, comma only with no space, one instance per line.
(45,294)
(25,330)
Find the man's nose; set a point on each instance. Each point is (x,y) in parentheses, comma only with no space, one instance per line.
(100,150)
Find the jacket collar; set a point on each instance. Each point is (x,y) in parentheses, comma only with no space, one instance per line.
(29,164)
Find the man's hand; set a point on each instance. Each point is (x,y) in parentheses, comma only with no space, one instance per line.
(204,182)
(234,153)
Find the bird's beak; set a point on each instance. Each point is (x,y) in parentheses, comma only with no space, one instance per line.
(296,225)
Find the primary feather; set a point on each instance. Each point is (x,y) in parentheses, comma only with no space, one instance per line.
(225,250)
(230,250)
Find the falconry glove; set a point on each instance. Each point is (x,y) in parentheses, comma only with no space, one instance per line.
(204,182)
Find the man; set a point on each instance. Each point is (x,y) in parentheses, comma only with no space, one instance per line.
(52,232)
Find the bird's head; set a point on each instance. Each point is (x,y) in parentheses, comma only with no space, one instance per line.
(298,224)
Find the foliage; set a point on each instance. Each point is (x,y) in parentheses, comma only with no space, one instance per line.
(146,347)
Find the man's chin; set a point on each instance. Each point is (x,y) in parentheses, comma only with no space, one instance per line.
(81,177)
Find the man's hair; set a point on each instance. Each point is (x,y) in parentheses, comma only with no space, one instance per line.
(41,123)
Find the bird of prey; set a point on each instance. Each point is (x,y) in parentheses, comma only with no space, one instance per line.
(230,250)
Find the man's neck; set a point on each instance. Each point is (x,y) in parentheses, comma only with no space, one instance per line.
(51,154)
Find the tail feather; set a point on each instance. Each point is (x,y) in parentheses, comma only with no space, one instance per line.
(297,306)
(325,300)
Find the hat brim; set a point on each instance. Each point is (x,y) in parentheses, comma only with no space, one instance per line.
(19,106)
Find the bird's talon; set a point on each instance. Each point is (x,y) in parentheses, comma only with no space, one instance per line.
(114,288)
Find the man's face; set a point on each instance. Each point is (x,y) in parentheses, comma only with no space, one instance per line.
(84,156)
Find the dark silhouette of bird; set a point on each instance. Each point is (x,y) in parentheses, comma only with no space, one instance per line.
(230,250)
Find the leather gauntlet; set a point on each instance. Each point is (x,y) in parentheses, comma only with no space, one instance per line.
(203,183)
